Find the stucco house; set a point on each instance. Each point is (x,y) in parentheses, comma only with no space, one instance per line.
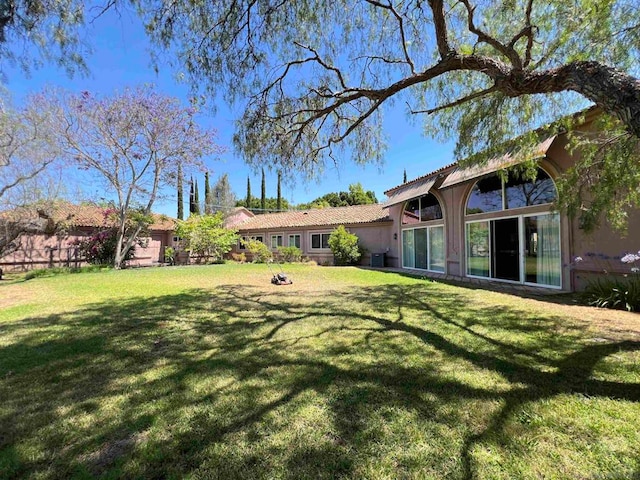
(54,247)
(471,223)
(468,223)
(309,230)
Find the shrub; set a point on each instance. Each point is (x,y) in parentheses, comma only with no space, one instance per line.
(617,292)
(344,246)
(100,248)
(620,293)
(258,250)
(290,254)
(205,236)
(170,255)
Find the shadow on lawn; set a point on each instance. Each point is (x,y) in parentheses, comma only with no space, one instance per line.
(167,386)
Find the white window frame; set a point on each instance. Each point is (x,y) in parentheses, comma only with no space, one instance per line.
(294,244)
(275,236)
(428,228)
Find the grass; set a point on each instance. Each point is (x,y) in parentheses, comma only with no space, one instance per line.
(212,372)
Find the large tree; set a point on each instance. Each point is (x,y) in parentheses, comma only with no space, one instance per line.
(318,76)
(222,197)
(133,142)
(26,155)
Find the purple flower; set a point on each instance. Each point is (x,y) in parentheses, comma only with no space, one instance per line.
(630,258)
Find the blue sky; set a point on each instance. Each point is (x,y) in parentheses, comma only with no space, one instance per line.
(120,59)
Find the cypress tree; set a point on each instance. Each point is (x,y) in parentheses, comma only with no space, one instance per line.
(405,176)
(208,201)
(196,199)
(263,198)
(248,200)
(192,208)
(180,193)
(279,198)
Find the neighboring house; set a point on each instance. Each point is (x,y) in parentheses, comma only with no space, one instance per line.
(49,247)
(469,223)
(309,230)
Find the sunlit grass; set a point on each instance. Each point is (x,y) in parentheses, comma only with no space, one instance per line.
(212,372)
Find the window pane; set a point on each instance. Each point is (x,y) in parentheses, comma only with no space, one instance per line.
(325,240)
(315,240)
(420,247)
(436,249)
(408,260)
(478,249)
(294,241)
(524,193)
(411,212)
(486,196)
(274,241)
(430,208)
(542,242)
(259,238)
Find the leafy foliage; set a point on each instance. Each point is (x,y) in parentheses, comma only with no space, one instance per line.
(344,246)
(260,253)
(206,236)
(615,292)
(355,196)
(100,248)
(256,204)
(604,181)
(290,254)
(621,292)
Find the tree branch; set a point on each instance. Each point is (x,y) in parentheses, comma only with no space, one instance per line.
(507,50)
(458,102)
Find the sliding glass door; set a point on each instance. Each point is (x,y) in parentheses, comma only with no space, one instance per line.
(524,249)
(423,248)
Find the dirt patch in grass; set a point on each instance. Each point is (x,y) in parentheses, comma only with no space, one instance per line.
(102,459)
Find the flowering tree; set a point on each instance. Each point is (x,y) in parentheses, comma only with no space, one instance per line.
(134,142)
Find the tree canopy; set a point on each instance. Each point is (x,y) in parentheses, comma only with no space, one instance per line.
(315,78)
(355,196)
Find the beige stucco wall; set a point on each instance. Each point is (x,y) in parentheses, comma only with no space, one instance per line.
(374,238)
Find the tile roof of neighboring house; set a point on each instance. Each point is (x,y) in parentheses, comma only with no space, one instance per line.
(331,216)
(85,215)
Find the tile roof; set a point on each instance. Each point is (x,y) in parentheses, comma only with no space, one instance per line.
(331,216)
(421,178)
(589,113)
(85,215)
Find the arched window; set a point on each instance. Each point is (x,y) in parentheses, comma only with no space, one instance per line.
(492,194)
(422,209)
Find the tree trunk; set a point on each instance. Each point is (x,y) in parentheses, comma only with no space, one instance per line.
(613,90)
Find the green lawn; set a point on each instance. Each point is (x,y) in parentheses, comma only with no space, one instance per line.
(212,372)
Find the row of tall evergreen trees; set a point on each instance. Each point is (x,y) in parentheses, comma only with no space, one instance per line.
(221,197)
(264,204)
(218,198)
